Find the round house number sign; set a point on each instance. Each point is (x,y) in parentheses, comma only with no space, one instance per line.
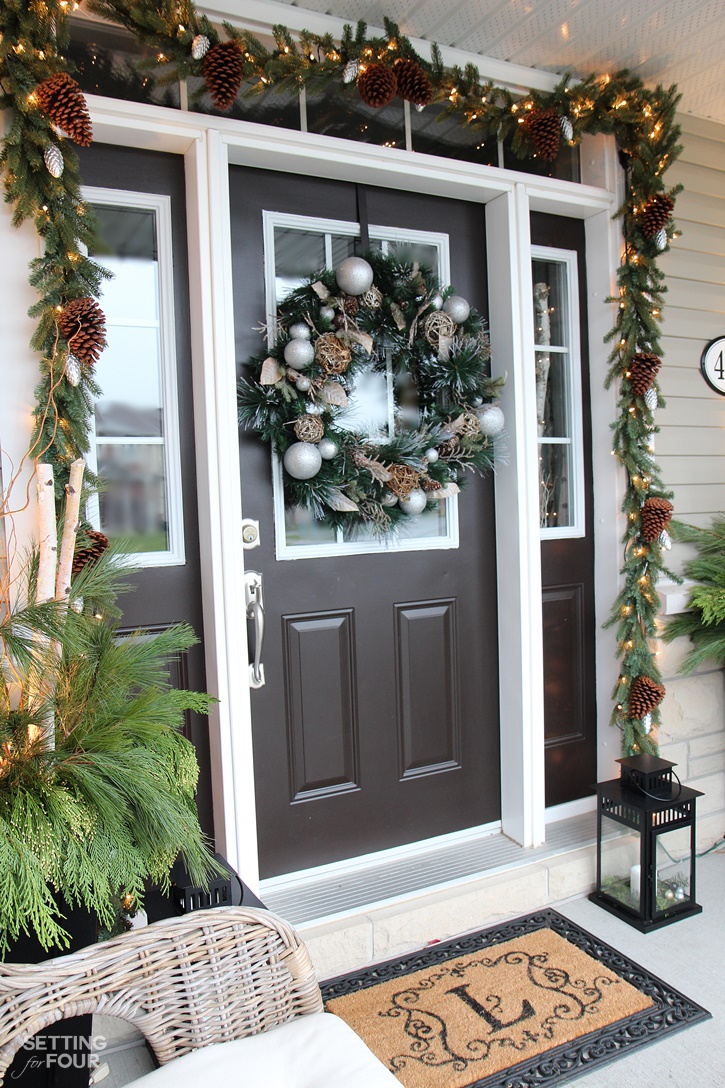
(712,364)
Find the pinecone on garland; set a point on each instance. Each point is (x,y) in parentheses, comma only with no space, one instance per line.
(94,551)
(543,128)
(643,371)
(644,696)
(413,83)
(656,214)
(656,515)
(429,484)
(83,324)
(377,85)
(63,102)
(223,70)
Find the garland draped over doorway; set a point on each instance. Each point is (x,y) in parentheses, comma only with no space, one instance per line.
(41,179)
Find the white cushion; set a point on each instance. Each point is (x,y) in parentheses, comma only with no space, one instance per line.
(308,1052)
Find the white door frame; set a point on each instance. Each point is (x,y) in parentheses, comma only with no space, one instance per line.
(209,145)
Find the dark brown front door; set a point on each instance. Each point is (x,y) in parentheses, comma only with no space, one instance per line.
(378,724)
(136,474)
(568,568)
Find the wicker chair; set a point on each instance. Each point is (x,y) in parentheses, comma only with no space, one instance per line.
(215,991)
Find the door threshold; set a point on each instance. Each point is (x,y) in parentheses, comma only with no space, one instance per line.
(334,892)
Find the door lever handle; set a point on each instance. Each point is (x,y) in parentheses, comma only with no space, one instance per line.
(254,601)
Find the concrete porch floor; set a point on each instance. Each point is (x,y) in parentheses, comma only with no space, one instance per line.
(690,955)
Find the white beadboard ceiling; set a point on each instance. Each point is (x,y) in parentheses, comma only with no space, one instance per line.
(661,41)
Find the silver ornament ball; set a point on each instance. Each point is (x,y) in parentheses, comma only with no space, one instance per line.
(200,47)
(388,498)
(661,239)
(669,893)
(328,448)
(680,894)
(327,313)
(72,370)
(457,307)
(299,354)
(414,502)
(303,460)
(491,419)
(350,71)
(300,330)
(53,160)
(303,383)
(436,302)
(431,455)
(354,276)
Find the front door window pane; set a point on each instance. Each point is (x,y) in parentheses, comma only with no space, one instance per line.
(558,397)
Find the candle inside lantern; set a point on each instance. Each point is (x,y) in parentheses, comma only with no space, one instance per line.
(635,876)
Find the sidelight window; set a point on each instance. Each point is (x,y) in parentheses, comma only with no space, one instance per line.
(135,447)
(295,248)
(558,392)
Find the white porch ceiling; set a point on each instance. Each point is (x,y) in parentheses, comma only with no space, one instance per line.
(661,41)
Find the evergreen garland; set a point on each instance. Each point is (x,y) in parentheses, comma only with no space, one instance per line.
(704,624)
(437,389)
(641,119)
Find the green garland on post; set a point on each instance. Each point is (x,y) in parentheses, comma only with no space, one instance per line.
(393,315)
(186,43)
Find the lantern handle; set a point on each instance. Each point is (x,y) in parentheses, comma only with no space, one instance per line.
(654,797)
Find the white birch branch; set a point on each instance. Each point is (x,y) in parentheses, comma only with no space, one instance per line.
(70,530)
(47,536)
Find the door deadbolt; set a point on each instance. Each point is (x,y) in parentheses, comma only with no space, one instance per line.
(250,533)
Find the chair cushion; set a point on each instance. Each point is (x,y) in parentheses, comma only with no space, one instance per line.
(309,1052)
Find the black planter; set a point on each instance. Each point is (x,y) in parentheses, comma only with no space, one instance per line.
(59,1057)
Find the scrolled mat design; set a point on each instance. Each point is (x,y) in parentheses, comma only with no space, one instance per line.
(533,1002)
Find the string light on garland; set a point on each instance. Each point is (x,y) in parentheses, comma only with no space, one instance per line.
(641,119)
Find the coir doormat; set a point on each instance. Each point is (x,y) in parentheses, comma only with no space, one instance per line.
(536,1001)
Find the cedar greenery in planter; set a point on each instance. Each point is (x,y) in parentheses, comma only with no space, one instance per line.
(705,623)
(96,781)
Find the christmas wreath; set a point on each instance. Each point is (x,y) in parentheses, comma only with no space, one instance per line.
(374,315)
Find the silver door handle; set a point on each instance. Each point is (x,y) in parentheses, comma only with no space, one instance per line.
(255,611)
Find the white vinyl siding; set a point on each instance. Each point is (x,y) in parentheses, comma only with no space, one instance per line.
(690,447)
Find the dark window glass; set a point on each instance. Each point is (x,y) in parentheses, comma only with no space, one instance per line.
(107,63)
(435,134)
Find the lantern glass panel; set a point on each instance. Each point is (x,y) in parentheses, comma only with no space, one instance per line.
(621,877)
(674,870)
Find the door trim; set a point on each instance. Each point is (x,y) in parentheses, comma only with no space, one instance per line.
(209,145)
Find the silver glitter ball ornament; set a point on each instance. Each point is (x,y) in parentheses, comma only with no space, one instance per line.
(53,160)
(491,419)
(665,540)
(650,398)
(314,409)
(457,307)
(670,893)
(300,330)
(388,498)
(432,455)
(303,460)
(299,354)
(680,894)
(436,302)
(661,239)
(567,129)
(328,449)
(303,383)
(72,370)
(414,502)
(200,47)
(354,276)
(327,313)
(350,71)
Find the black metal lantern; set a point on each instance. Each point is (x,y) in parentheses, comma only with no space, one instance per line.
(646,844)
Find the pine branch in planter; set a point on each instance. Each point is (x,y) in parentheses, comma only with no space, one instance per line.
(705,624)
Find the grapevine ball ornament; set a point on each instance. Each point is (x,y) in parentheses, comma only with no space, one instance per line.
(62,100)
(362,479)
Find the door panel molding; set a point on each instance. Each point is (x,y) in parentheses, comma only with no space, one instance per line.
(321,689)
(563,619)
(427,691)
